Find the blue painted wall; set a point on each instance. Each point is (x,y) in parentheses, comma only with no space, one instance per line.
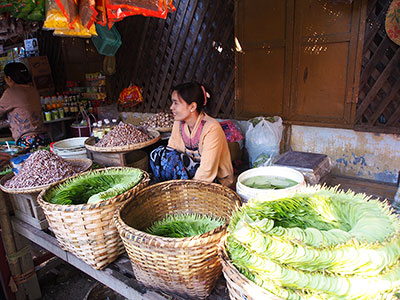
(360,154)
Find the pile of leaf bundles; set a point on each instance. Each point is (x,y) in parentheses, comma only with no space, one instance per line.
(184,225)
(320,243)
(94,186)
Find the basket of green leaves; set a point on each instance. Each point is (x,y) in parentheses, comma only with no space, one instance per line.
(80,209)
(171,232)
(317,243)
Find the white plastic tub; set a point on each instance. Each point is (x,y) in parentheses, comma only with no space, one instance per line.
(70,148)
(246,193)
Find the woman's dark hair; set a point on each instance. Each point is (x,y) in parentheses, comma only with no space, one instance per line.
(18,72)
(193,92)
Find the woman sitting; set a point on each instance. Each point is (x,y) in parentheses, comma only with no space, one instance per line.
(21,102)
(197,148)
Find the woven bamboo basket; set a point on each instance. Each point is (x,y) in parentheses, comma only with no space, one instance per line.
(90,144)
(87,230)
(239,286)
(188,267)
(80,164)
(24,200)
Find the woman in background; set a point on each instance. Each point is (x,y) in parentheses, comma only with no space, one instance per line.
(21,103)
(197,148)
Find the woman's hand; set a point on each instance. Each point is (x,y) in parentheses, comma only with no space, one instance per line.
(4,158)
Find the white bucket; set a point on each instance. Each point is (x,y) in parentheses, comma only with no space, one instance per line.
(246,193)
(71,148)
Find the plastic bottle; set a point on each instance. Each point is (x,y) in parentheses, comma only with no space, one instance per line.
(100,129)
(107,126)
(66,107)
(113,123)
(95,132)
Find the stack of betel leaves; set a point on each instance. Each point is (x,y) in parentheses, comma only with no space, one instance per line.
(94,186)
(184,225)
(319,243)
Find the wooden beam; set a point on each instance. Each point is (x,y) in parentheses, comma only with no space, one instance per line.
(9,245)
(109,277)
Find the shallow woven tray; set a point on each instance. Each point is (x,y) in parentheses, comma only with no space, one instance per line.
(163,129)
(239,286)
(88,230)
(189,266)
(89,144)
(84,164)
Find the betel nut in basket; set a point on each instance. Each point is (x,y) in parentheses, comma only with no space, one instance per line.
(87,230)
(190,266)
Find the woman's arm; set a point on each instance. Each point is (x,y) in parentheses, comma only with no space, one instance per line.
(4,106)
(175,139)
(213,142)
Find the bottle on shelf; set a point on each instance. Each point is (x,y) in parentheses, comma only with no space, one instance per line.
(95,132)
(113,123)
(107,126)
(66,107)
(101,129)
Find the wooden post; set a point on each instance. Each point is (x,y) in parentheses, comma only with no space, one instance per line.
(9,243)
(32,284)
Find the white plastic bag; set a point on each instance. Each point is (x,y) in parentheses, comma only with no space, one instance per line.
(263,138)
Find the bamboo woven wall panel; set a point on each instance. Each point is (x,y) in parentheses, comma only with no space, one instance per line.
(196,42)
(378,107)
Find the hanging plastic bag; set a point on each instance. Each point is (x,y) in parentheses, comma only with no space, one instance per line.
(22,9)
(263,137)
(101,17)
(87,12)
(119,9)
(70,9)
(55,19)
(37,14)
(130,97)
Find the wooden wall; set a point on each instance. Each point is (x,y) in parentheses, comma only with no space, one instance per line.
(196,42)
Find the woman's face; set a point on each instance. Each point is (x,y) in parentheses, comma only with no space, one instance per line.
(180,109)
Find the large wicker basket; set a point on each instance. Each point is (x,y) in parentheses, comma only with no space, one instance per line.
(24,200)
(87,230)
(239,286)
(188,267)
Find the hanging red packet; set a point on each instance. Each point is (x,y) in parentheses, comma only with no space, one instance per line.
(119,9)
(130,97)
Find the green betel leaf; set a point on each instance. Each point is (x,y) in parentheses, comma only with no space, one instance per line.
(318,244)
(184,225)
(94,186)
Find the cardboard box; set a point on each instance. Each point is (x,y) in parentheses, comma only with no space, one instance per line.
(38,65)
(40,70)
